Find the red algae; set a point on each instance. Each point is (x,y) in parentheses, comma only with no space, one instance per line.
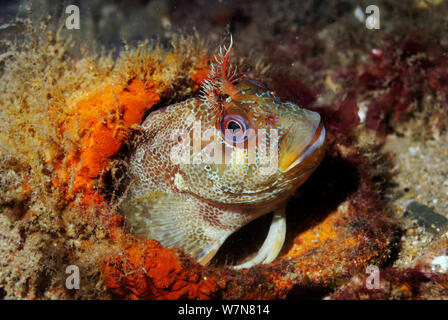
(343,116)
(294,90)
(397,79)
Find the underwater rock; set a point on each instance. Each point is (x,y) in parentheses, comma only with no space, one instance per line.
(426,217)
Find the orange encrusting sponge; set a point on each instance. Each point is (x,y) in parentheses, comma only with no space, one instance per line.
(101,121)
(146,270)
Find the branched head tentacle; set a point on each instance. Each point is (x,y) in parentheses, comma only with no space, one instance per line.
(220,81)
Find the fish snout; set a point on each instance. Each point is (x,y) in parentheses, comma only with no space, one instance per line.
(304,144)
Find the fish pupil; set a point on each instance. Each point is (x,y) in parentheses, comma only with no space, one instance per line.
(233,126)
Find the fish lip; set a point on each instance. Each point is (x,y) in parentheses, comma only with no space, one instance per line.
(310,149)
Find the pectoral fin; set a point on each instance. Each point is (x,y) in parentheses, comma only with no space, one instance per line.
(175,221)
(273,243)
(199,229)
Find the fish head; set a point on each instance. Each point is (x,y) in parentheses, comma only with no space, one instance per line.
(255,149)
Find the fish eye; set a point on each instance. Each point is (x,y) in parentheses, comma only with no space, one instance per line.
(233,128)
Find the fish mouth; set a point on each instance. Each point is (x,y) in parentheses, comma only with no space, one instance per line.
(291,158)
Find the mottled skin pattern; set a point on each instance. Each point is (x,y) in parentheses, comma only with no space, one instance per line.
(198,204)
